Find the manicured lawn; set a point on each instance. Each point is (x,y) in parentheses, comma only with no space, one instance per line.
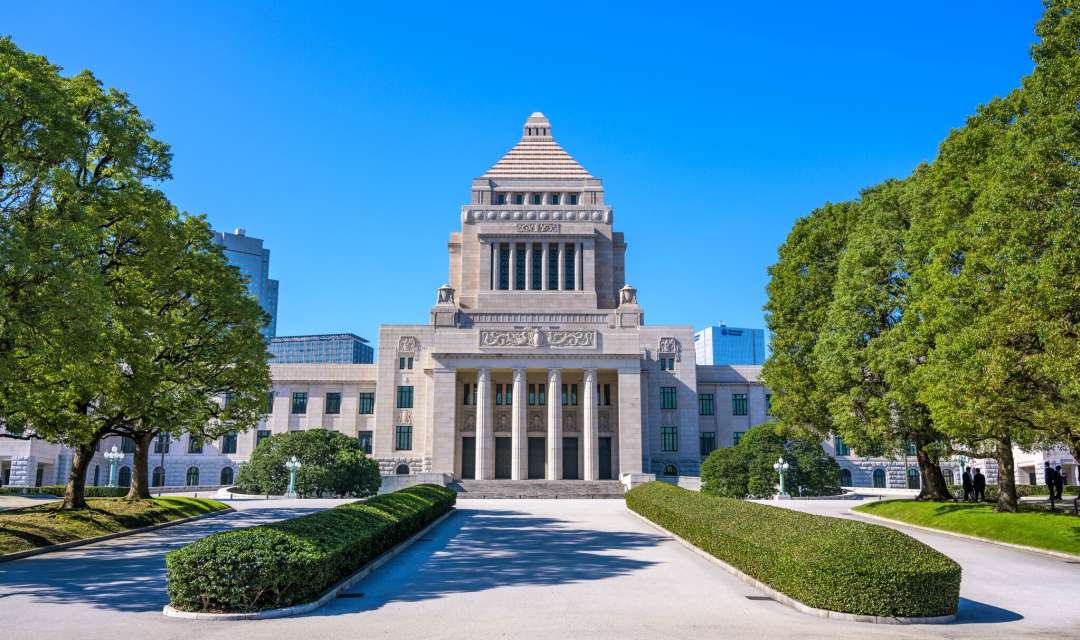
(40,526)
(1030,527)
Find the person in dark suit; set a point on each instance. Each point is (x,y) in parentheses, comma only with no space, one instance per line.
(1059,481)
(967,483)
(1050,479)
(978,484)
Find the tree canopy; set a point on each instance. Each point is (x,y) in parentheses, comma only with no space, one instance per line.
(332,463)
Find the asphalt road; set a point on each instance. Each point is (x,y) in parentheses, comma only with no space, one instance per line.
(515,569)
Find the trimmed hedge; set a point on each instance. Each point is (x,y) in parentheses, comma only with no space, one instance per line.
(295,561)
(59,490)
(1022,491)
(829,563)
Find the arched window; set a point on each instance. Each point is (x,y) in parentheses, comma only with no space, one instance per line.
(402,470)
(159,477)
(912,478)
(192,476)
(125,477)
(97,474)
(950,479)
(226,475)
(845,477)
(671,470)
(879,478)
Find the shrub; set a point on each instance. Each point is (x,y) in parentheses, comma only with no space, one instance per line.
(1022,490)
(331,463)
(829,563)
(294,561)
(745,470)
(59,489)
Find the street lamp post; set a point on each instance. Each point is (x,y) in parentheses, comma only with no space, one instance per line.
(780,466)
(292,465)
(114,457)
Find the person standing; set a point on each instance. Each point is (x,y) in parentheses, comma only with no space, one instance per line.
(979,485)
(967,483)
(1050,480)
(1059,482)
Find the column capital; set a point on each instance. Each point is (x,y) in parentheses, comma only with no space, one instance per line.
(519,374)
(483,374)
(590,372)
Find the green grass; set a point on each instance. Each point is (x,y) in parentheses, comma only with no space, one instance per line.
(1030,527)
(34,527)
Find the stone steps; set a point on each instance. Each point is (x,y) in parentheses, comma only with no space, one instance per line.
(542,489)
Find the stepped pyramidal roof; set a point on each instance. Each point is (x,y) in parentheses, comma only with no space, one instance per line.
(537,155)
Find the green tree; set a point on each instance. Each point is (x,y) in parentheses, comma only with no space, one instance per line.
(331,464)
(746,470)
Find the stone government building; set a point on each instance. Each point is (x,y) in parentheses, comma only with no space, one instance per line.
(536,363)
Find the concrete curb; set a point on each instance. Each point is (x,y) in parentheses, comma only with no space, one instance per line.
(1021,547)
(327,595)
(18,555)
(788,600)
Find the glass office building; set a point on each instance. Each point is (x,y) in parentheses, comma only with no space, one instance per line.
(248,254)
(336,348)
(729,345)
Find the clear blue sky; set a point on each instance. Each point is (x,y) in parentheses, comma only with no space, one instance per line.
(347,136)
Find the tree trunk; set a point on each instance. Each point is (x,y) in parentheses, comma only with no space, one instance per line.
(933,485)
(1074,449)
(75,492)
(1006,500)
(140,486)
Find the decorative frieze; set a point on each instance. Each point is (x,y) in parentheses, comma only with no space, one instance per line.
(539,318)
(537,338)
(514,215)
(538,227)
(407,344)
(670,347)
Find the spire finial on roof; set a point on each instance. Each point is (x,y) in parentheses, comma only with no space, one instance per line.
(537,126)
(537,155)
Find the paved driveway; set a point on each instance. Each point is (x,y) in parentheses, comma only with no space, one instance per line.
(496,569)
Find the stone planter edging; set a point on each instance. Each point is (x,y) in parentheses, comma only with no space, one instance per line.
(7,557)
(322,600)
(788,600)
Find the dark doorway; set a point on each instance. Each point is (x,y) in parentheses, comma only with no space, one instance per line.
(537,459)
(569,459)
(502,458)
(468,458)
(605,459)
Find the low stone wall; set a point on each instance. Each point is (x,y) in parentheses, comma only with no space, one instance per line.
(393,483)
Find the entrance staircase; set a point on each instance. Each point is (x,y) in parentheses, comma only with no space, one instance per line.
(548,489)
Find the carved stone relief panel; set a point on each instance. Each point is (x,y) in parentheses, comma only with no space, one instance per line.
(407,344)
(537,338)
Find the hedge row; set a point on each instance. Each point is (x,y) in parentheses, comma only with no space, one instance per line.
(294,561)
(829,563)
(59,490)
(1022,490)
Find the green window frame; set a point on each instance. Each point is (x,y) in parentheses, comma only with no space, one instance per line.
(228,442)
(667,398)
(498,394)
(161,443)
(537,274)
(768,404)
(841,446)
(573,199)
(269,403)
(570,279)
(195,444)
(708,442)
(299,402)
(403,440)
(364,439)
(738,404)
(404,397)
(706,404)
(669,438)
(366,402)
(260,435)
(553,266)
(127,445)
(333,402)
(504,267)
(519,266)
(542,396)
(737,436)
(536,198)
(532,395)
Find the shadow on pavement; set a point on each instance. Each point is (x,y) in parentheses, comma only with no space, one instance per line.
(482,549)
(972,612)
(126,574)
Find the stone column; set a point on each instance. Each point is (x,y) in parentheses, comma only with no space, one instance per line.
(519,439)
(444,436)
(512,266)
(630,426)
(560,266)
(589,427)
(547,258)
(485,438)
(554,425)
(528,266)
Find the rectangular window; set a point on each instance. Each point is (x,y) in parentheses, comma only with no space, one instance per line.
(554,199)
(605,395)
(738,404)
(532,395)
(667,397)
(569,267)
(910,448)
(404,397)
(509,394)
(573,395)
(466,394)
(367,402)
(768,404)
(127,445)
(543,396)
(519,198)
(504,267)
(403,442)
(705,404)
(498,394)
(565,395)
(194,444)
(537,274)
(519,267)
(333,403)
(536,198)
(401,363)
(161,443)
(269,403)
(737,436)
(669,438)
(260,435)
(364,440)
(841,447)
(228,398)
(708,442)
(500,198)
(553,267)
(299,402)
(228,442)
(573,199)
(667,364)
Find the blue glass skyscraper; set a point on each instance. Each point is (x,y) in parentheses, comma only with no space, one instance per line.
(729,345)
